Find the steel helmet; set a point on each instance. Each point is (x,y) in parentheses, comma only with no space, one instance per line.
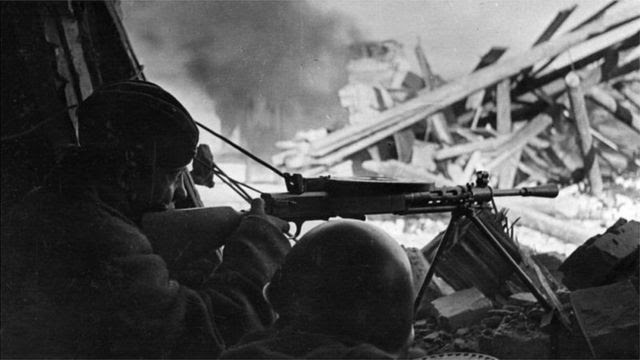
(349,279)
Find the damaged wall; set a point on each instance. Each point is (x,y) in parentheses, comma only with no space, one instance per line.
(53,55)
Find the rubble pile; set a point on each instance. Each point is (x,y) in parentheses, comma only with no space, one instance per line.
(596,288)
(567,112)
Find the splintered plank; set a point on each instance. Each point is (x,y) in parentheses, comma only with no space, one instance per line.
(519,139)
(579,108)
(430,102)
(438,120)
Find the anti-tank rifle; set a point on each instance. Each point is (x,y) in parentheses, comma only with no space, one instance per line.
(323,198)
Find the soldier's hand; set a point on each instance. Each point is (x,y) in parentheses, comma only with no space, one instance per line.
(257,209)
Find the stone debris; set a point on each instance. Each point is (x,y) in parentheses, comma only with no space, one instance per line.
(461,308)
(604,258)
(603,320)
(608,317)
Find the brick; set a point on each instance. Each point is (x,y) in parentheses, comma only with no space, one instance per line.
(608,317)
(462,308)
(604,259)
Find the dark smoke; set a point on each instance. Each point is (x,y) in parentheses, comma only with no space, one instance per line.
(272,67)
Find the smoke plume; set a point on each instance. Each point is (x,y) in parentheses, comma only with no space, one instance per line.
(271,67)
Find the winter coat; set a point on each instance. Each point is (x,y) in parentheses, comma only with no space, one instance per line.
(290,344)
(80,280)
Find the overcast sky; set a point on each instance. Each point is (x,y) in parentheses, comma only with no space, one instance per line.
(456,33)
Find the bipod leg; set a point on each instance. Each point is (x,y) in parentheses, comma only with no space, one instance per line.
(505,254)
(449,236)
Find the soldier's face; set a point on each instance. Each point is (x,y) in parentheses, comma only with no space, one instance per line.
(168,187)
(164,188)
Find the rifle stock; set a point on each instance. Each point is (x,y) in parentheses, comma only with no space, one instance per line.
(177,234)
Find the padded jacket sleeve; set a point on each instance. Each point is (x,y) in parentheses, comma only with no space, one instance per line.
(157,316)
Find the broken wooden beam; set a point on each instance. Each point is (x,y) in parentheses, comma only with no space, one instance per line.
(358,142)
(590,69)
(630,95)
(506,172)
(422,156)
(427,75)
(427,103)
(509,169)
(473,164)
(581,117)
(399,170)
(474,101)
(593,46)
(438,120)
(609,103)
(555,24)
(544,223)
(519,139)
(503,107)
(590,19)
(595,15)
(479,145)
(533,173)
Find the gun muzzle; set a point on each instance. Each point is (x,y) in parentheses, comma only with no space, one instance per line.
(547,190)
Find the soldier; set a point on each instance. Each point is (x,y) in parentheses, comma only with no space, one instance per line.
(344,291)
(80,278)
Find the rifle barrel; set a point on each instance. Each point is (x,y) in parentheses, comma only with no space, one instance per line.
(452,196)
(547,190)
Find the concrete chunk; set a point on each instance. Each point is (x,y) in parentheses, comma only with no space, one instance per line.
(462,308)
(605,258)
(608,318)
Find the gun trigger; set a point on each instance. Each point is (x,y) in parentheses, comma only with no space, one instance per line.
(298,228)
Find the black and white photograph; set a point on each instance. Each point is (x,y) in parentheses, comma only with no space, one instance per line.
(320,179)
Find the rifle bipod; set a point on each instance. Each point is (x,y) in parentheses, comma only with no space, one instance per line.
(450,236)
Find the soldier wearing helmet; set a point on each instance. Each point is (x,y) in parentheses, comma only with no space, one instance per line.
(79,277)
(344,291)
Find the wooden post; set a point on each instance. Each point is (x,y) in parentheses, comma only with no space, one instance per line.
(579,108)
(631,96)
(507,170)
(438,119)
(608,102)
(503,106)
(519,139)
